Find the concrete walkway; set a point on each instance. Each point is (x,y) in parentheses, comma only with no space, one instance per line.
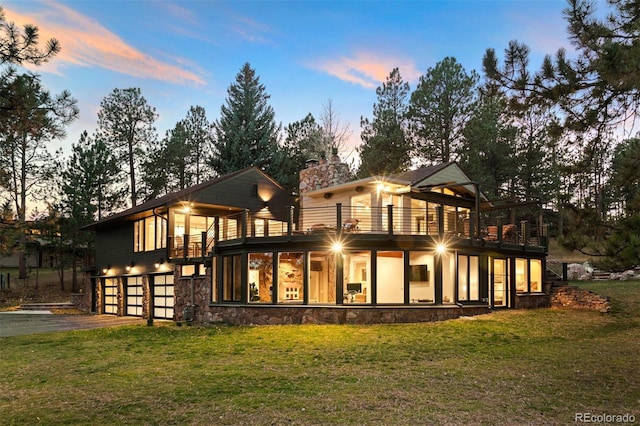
(19,323)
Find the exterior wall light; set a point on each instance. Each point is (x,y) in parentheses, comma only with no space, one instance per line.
(159,263)
(336,247)
(106,269)
(129,266)
(441,248)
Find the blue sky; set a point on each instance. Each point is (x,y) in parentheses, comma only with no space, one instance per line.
(184,53)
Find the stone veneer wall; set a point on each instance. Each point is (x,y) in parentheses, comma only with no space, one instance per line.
(276,315)
(82,300)
(577,298)
(324,175)
(201,295)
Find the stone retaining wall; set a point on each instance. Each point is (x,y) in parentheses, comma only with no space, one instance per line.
(82,301)
(576,298)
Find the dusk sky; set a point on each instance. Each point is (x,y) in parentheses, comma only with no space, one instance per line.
(185,53)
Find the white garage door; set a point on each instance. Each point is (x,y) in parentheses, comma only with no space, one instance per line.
(110,296)
(163,296)
(134,296)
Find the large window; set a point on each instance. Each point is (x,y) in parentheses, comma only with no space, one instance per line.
(535,275)
(290,277)
(528,275)
(189,228)
(500,282)
(322,277)
(448,277)
(522,275)
(150,234)
(390,277)
(421,280)
(260,277)
(468,282)
(357,277)
(231,278)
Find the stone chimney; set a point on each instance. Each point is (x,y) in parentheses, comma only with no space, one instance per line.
(323,174)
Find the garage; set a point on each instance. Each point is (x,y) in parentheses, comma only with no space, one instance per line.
(110,296)
(133,298)
(162,301)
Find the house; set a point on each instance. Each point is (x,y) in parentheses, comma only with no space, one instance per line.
(423,245)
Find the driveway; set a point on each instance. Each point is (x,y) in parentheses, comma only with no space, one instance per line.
(18,323)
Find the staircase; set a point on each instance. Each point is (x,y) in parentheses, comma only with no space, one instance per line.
(554,271)
(599,275)
(47,306)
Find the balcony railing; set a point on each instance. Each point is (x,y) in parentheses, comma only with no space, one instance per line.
(389,220)
(378,220)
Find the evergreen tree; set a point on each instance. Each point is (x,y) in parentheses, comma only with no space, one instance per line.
(167,165)
(125,123)
(386,148)
(488,148)
(246,133)
(36,119)
(199,139)
(439,109)
(89,182)
(21,47)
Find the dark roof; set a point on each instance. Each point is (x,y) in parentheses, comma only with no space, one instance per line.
(175,197)
(414,176)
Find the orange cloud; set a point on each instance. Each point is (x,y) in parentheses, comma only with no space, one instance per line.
(368,69)
(87,43)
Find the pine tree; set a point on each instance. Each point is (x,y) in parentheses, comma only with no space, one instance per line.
(199,139)
(386,148)
(21,47)
(246,133)
(488,146)
(89,182)
(440,107)
(36,119)
(125,123)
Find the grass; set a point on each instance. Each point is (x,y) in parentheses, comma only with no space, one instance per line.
(510,367)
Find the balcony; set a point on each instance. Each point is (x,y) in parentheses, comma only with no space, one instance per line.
(389,222)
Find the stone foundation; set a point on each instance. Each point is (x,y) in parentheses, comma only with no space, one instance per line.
(577,298)
(276,315)
(532,301)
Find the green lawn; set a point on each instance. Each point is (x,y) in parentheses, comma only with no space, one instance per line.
(511,367)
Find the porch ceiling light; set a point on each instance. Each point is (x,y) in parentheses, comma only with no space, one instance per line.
(441,248)
(336,247)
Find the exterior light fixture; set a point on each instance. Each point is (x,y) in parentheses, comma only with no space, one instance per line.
(159,263)
(336,247)
(129,266)
(441,248)
(106,269)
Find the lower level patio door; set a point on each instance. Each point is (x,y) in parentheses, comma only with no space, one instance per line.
(499,283)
